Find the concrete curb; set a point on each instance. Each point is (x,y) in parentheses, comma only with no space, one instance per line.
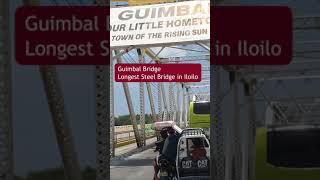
(130,153)
(124,143)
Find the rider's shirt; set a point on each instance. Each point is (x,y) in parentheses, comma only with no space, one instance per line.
(170,147)
(198,153)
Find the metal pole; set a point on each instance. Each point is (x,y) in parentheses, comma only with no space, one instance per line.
(183,107)
(252,130)
(112,121)
(103,113)
(59,118)
(153,111)
(217,150)
(171,102)
(131,110)
(178,105)
(186,114)
(159,101)
(174,106)
(164,98)
(237,159)
(188,107)
(142,108)
(151,101)
(6,129)
(154,56)
(102,122)
(61,122)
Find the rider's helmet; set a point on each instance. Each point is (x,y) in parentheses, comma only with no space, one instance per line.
(171,130)
(164,133)
(197,143)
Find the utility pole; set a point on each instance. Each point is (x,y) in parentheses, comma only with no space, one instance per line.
(6,129)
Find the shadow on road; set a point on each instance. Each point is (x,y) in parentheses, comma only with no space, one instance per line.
(136,162)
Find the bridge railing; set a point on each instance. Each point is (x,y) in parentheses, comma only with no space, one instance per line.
(126,137)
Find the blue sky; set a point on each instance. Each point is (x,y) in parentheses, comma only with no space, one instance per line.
(120,101)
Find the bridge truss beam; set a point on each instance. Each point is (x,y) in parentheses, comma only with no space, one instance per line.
(6,129)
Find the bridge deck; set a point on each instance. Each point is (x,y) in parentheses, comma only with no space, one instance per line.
(137,166)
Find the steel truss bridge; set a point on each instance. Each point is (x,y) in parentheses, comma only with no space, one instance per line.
(171,99)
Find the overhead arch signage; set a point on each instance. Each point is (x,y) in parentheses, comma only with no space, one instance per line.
(153,25)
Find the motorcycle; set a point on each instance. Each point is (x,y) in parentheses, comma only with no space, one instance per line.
(167,170)
(193,155)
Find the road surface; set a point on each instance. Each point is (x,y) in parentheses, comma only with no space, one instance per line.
(135,167)
(131,147)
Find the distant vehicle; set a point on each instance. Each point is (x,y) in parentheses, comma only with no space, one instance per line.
(199,115)
(193,155)
(165,124)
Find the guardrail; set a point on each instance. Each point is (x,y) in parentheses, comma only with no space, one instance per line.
(130,128)
(127,137)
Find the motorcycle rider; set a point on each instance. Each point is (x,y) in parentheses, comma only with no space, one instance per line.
(198,149)
(159,147)
(169,151)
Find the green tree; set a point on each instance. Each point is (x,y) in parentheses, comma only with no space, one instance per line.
(125,120)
